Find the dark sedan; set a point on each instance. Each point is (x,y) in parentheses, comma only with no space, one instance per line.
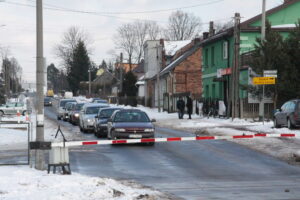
(47,101)
(130,123)
(288,115)
(74,115)
(100,126)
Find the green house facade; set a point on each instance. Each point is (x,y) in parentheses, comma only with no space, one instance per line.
(218,49)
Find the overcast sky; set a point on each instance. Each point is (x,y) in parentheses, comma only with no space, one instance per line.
(19,33)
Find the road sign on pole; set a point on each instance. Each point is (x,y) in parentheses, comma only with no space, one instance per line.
(270,73)
(263,80)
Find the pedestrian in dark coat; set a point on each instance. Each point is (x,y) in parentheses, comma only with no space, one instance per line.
(189,105)
(180,107)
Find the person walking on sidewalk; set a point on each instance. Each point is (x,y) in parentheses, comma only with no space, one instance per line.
(189,105)
(180,107)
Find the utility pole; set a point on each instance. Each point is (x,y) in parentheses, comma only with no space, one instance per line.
(157,78)
(235,70)
(40,157)
(90,85)
(121,72)
(263,35)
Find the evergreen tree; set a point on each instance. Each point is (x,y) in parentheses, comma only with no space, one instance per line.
(270,54)
(79,67)
(103,64)
(290,80)
(53,77)
(129,87)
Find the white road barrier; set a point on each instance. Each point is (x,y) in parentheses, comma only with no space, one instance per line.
(172,139)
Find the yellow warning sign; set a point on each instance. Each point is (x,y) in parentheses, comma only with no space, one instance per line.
(263,80)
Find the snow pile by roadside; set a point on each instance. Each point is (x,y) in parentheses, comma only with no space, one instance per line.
(25,183)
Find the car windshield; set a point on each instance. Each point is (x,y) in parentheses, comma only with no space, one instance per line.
(107,113)
(46,99)
(63,103)
(78,106)
(69,106)
(133,116)
(92,110)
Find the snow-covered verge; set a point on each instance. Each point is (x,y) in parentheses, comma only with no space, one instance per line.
(21,182)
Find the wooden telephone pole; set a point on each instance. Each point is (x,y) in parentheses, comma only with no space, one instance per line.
(236,69)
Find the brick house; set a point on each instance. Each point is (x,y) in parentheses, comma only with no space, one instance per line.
(182,76)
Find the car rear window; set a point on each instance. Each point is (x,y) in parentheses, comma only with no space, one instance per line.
(131,117)
(78,106)
(107,113)
(92,110)
(63,103)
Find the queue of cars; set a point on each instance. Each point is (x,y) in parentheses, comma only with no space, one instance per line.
(104,120)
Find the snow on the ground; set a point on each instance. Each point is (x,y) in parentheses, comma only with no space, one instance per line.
(12,136)
(21,182)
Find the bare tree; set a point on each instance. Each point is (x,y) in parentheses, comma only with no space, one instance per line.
(125,40)
(182,26)
(141,31)
(65,49)
(219,27)
(154,31)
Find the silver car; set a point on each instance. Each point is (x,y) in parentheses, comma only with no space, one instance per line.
(61,107)
(13,108)
(87,116)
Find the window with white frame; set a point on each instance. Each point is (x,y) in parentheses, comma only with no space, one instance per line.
(225,50)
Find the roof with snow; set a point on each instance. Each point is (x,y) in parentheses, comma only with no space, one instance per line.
(171,47)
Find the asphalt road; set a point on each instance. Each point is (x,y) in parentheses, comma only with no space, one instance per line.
(189,170)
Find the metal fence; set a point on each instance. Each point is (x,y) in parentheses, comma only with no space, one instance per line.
(14,144)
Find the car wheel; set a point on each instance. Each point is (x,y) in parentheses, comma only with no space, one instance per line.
(1,113)
(276,125)
(289,124)
(150,143)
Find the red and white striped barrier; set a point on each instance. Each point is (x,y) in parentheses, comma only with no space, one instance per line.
(173,139)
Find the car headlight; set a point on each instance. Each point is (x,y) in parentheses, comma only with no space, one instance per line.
(76,115)
(120,129)
(149,130)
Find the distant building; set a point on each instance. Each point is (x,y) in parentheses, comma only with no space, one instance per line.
(126,66)
(178,64)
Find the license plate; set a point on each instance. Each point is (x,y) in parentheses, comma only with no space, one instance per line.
(135,136)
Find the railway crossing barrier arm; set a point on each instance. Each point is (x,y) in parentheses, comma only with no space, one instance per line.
(173,139)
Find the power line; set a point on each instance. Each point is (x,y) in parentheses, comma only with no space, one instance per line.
(139,12)
(111,14)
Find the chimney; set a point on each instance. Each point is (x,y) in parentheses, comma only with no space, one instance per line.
(205,35)
(211,28)
(161,42)
(197,40)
